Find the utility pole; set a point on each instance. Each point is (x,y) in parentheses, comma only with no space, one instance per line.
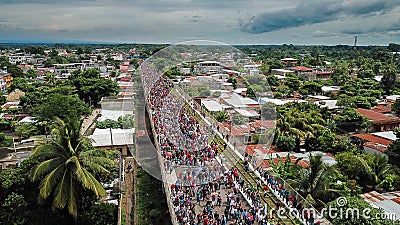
(355,42)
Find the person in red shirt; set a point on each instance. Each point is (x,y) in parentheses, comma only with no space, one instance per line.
(205,221)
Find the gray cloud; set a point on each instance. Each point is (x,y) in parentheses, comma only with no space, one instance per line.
(309,12)
(382,28)
(320,33)
(172,21)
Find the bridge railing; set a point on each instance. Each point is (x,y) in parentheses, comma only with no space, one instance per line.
(167,190)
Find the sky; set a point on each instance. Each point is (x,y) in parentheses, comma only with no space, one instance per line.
(298,22)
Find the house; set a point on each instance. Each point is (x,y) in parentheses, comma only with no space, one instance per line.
(318,97)
(276,101)
(392,98)
(213,106)
(19,58)
(372,144)
(329,103)
(289,61)
(305,72)
(207,66)
(333,89)
(324,74)
(281,72)
(389,203)
(250,67)
(380,121)
(118,139)
(238,102)
(384,107)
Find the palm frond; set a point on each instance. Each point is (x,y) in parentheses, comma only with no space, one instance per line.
(72,203)
(94,185)
(50,181)
(61,192)
(45,167)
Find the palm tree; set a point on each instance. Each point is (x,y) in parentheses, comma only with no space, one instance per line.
(314,182)
(379,168)
(67,162)
(50,78)
(299,124)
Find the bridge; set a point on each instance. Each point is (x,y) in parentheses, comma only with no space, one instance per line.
(166,105)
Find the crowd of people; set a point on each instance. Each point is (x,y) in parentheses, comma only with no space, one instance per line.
(205,192)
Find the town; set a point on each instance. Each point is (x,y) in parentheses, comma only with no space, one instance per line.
(186,134)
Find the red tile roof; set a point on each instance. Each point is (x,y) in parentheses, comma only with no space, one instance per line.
(257,124)
(374,142)
(397,200)
(127,79)
(301,68)
(238,130)
(383,108)
(262,148)
(378,118)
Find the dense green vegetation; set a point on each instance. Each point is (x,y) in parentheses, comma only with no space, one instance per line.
(152,205)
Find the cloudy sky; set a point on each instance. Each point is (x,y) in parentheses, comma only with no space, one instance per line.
(321,22)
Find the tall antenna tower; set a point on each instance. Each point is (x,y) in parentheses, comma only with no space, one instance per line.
(355,42)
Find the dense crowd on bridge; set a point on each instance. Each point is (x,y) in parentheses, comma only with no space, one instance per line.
(185,147)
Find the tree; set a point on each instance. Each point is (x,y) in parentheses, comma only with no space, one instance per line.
(286,143)
(108,123)
(353,166)
(31,73)
(250,92)
(21,84)
(61,106)
(90,86)
(315,181)
(201,90)
(293,83)
(126,121)
(299,124)
(287,169)
(359,93)
(105,213)
(311,88)
(15,71)
(220,116)
(273,80)
(233,81)
(324,140)
(25,130)
(17,205)
(268,111)
(238,119)
(389,78)
(173,73)
(50,79)
(264,69)
(349,120)
(283,91)
(65,168)
(394,149)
